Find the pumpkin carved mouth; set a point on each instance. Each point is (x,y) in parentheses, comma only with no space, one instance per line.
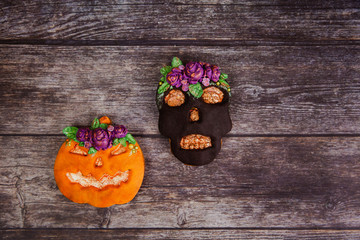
(105,180)
(195,141)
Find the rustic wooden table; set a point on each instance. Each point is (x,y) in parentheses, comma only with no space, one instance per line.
(289,168)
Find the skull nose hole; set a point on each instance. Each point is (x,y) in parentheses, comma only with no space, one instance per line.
(194,115)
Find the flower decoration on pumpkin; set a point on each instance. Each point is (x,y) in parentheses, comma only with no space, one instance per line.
(101,139)
(190,77)
(101,136)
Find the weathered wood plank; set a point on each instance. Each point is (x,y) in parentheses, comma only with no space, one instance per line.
(181,20)
(254,182)
(276,90)
(178,234)
(11,206)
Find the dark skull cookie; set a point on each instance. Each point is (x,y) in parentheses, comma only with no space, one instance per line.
(193,102)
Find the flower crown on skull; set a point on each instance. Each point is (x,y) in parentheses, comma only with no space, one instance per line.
(190,78)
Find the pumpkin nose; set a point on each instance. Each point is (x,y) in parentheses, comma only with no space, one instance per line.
(98,162)
(194,115)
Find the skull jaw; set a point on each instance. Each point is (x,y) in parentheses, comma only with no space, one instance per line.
(197,157)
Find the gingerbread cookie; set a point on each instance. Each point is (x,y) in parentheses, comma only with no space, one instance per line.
(101,165)
(193,102)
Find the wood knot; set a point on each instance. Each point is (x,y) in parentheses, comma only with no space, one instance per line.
(181,218)
(331,204)
(250,93)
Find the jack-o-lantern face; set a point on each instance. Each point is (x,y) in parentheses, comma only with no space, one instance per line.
(101,178)
(194,112)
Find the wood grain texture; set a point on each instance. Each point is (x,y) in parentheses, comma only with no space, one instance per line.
(276,89)
(289,169)
(183,234)
(181,20)
(254,183)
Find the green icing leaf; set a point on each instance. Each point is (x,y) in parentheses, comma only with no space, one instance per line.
(165,86)
(95,124)
(163,78)
(81,144)
(223,76)
(165,70)
(130,138)
(116,141)
(92,150)
(196,90)
(224,83)
(70,132)
(123,141)
(176,62)
(103,125)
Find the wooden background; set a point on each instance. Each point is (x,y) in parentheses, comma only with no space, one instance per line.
(289,169)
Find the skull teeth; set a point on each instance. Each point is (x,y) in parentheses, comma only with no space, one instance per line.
(195,141)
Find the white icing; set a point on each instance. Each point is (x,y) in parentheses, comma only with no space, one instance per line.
(105,180)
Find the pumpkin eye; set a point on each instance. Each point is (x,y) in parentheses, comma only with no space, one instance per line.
(212,95)
(175,98)
(78,150)
(118,150)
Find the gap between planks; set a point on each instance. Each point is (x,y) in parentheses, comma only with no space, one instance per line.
(201,228)
(200,42)
(226,136)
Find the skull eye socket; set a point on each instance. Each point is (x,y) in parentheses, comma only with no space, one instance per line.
(175,98)
(212,95)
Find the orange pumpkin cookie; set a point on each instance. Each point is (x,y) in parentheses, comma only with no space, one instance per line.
(101,165)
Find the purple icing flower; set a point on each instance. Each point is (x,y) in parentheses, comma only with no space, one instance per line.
(208,72)
(110,128)
(119,131)
(101,139)
(87,144)
(206,81)
(194,72)
(183,76)
(215,73)
(174,77)
(83,134)
(185,85)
